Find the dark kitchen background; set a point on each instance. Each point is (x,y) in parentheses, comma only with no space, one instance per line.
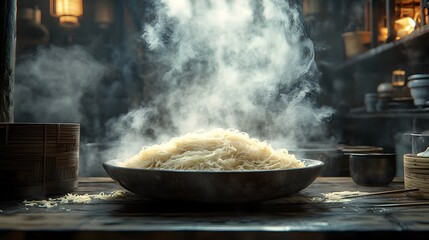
(95,68)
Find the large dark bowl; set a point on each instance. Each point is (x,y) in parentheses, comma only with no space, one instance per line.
(372,169)
(214,186)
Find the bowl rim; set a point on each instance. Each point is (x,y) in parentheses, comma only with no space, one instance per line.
(416,83)
(313,163)
(421,76)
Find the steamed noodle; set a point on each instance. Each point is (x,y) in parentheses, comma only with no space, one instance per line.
(217,149)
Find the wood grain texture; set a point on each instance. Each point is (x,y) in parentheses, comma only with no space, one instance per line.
(294,217)
(416,175)
(7,58)
(38,159)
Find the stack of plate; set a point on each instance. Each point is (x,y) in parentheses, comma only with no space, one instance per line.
(416,175)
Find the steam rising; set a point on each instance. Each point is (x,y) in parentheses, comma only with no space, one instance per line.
(233,64)
(59,85)
(244,64)
(51,83)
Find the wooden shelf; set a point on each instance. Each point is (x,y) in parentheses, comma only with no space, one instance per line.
(390,55)
(391,113)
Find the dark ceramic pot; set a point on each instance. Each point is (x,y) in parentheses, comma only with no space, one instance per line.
(372,169)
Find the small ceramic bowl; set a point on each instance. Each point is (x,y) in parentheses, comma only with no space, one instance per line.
(419,88)
(372,169)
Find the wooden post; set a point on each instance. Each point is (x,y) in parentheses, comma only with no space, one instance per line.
(390,20)
(373,16)
(423,5)
(7,58)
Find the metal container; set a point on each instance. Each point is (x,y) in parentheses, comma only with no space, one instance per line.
(372,169)
(419,142)
(371,100)
(38,160)
(92,156)
(331,156)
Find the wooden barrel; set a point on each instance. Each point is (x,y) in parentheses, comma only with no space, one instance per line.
(37,159)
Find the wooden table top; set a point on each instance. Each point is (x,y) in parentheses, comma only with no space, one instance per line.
(306,215)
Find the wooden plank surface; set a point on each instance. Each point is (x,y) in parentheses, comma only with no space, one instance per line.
(305,215)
